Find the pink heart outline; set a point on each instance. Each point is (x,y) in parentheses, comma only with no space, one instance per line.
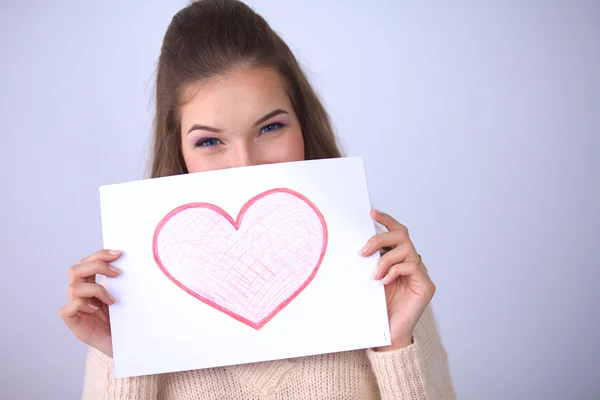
(236,224)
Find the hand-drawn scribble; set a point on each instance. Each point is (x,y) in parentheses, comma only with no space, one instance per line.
(249,268)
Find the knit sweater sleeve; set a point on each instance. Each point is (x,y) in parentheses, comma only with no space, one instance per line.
(417,372)
(101,384)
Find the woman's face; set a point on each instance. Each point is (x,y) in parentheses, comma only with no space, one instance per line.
(243,118)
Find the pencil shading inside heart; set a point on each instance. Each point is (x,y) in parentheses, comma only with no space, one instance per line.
(250,268)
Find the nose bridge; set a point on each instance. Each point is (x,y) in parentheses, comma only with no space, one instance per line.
(244,154)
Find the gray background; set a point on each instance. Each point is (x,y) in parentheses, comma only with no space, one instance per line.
(479,123)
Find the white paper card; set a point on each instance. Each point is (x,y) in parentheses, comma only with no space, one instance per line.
(242,265)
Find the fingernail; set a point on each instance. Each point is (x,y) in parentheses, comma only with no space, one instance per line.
(114,252)
(385,279)
(114,269)
(375,273)
(92,306)
(112,298)
(365,249)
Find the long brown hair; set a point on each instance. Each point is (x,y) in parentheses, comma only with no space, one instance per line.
(209,38)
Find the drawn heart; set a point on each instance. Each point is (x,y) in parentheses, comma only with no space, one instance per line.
(250,268)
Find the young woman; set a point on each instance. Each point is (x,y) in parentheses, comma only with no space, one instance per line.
(230,93)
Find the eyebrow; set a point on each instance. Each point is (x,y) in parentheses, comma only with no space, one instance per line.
(199,127)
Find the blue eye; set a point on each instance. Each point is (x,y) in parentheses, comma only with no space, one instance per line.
(207,142)
(272,127)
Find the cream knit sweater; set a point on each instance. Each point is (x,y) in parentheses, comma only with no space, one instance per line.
(419,371)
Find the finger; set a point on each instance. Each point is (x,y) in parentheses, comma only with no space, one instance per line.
(88,290)
(87,271)
(104,255)
(420,282)
(101,255)
(382,240)
(403,253)
(104,311)
(71,309)
(390,223)
(397,270)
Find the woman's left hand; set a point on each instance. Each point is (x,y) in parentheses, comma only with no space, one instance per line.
(408,287)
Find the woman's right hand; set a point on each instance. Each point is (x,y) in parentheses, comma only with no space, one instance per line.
(86,313)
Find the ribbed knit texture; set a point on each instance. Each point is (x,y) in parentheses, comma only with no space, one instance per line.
(417,372)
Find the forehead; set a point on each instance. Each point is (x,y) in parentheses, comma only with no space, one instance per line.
(239,94)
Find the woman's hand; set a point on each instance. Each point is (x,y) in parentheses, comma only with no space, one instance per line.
(408,288)
(86,313)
